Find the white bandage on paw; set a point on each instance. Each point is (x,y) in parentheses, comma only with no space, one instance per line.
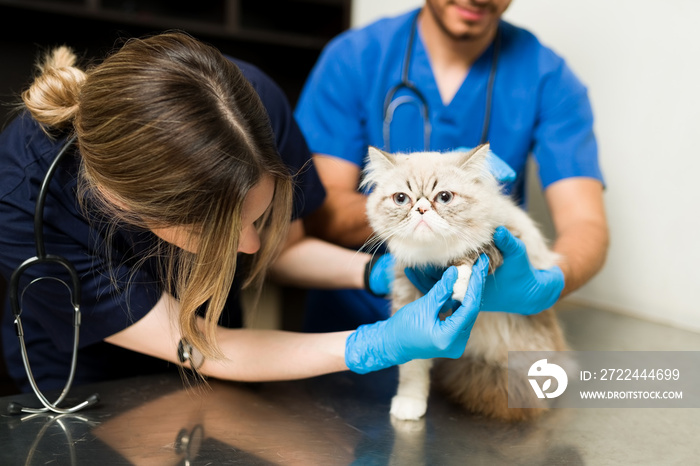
(464,272)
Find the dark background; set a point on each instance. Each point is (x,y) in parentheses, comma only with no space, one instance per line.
(281,37)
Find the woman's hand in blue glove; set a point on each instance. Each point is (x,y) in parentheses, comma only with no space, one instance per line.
(516,286)
(415,331)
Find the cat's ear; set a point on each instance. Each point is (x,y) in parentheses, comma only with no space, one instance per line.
(477,155)
(378,162)
(379,159)
(477,159)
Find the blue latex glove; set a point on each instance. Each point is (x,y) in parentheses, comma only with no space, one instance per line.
(497,166)
(379,275)
(516,286)
(415,331)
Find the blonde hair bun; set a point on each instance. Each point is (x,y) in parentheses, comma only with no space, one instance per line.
(53,97)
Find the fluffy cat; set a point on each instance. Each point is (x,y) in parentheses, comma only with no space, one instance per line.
(441,209)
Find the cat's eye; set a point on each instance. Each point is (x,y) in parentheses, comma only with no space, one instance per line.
(401,198)
(444,197)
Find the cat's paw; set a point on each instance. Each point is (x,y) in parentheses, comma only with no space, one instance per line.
(459,290)
(407,427)
(407,408)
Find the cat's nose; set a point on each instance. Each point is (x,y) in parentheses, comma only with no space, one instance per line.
(422,206)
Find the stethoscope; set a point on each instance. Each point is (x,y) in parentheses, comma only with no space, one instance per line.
(419,100)
(74,289)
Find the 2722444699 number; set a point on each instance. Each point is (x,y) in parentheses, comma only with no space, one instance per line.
(637,374)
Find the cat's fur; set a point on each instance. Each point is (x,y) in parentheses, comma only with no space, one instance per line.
(455,233)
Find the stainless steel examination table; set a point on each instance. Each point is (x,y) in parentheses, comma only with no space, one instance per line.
(343,419)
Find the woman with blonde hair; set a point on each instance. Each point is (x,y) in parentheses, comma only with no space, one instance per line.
(187,180)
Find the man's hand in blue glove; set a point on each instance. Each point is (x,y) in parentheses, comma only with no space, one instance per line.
(379,275)
(415,331)
(516,286)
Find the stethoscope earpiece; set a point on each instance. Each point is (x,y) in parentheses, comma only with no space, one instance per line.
(17,408)
(14,408)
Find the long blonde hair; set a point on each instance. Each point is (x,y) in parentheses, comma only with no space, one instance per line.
(173,130)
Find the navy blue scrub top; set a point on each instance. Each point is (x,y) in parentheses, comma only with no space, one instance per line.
(107,305)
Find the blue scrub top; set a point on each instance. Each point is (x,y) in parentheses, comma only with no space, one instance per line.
(539,107)
(107,307)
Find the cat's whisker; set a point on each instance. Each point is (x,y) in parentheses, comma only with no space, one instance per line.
(372,252)
(392,232)
(374,243)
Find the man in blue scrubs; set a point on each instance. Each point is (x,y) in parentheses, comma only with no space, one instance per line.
(537,106)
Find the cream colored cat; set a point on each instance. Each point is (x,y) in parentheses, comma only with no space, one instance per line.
(442,209)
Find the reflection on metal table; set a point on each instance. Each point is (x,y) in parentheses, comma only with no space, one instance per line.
(344,419)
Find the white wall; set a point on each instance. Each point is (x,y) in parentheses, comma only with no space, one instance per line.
(366,11)
(641,62)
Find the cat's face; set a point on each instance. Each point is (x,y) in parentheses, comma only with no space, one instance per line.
(430,207)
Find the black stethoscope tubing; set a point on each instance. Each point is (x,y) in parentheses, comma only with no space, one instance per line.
(391,104)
